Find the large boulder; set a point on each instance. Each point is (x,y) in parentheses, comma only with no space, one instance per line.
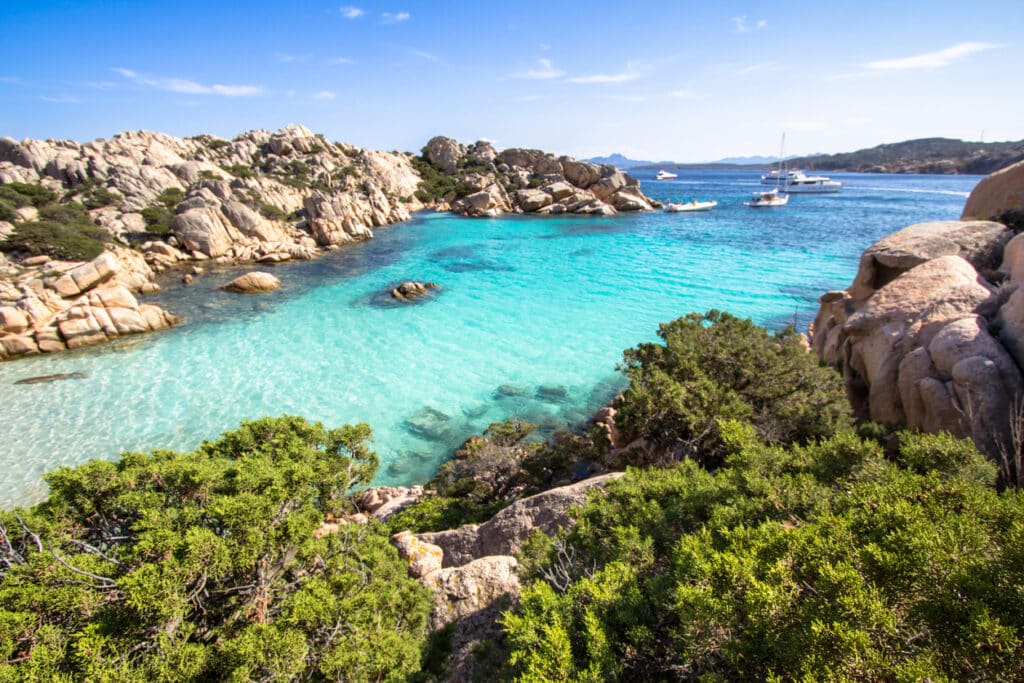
(444,153)
(996,193)
(980,243)
(255,281)
(467,589)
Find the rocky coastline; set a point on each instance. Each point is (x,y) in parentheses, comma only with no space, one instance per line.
(162,203)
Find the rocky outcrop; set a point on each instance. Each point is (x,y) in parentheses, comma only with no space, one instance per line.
(253,282)
(531,181)
(411,290)
(926,338)
(997,193)
(505,533)
(53,305)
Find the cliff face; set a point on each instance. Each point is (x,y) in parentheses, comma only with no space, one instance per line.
(931,332)
(489,183)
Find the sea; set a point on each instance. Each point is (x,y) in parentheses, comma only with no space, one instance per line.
(529,322)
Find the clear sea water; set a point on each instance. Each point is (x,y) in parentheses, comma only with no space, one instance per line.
(532,320)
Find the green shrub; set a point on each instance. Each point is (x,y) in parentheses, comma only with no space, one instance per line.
(97,197)
(437,513)
(716,367)
(240,171)
(171,197)
(70,242)
(206,566)
(65,213)
(272,212)
(818,562)
(25,194)
(216,143)
(434,185)
(158,219)
(7,211)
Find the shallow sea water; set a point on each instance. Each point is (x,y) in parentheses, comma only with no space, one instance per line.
(532,319)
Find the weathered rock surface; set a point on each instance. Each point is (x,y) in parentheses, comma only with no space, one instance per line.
(381,502)
(256,281)
(923,336)
(462,591)
(505,533)
(1001,191)
(82,304)
(411,290)
(532,181)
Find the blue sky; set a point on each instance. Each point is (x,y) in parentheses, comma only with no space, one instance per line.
(687,81)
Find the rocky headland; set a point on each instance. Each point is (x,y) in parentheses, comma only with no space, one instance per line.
(927,155)
(931,332)
(87,226)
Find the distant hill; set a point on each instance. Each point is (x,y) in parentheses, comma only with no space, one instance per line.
(927,155)
(619,161)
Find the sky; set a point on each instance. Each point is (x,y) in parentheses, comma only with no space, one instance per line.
(670,80)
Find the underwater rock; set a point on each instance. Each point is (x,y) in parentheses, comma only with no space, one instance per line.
(429,423)
(511,391)
(552,393)
(42,379)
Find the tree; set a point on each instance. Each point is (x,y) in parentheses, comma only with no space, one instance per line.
(209,565)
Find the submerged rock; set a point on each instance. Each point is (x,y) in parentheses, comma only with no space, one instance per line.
(552,393)
(430,423)
(42,379)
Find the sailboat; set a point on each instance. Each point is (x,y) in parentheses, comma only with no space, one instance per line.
(772,197)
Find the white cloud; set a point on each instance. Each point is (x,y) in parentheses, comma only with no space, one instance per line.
(628,98)
(350,12)
(754,68)
(341,60)
(394,17)
(13,80)
(743,27)
(288,59)
(931,60)
(686,94)
(628,75)
(324,96)
(428,56)
(545,70)
(187,87)
(61,99)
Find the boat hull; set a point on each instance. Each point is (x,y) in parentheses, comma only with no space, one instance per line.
(686,207)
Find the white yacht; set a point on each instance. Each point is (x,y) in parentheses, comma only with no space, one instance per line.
(798,181)
(692,205)
(665,175)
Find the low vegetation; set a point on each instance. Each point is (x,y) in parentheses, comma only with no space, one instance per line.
(208,566)
(62,230)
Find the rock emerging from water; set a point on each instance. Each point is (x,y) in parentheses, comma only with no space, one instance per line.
(254,282)
(411,290)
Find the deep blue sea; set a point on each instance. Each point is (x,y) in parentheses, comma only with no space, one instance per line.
(532,320)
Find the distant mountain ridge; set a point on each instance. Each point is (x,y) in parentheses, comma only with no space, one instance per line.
(925,155)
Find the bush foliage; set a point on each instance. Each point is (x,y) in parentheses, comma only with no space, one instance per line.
(804,562)
(64,230)
(715,367)
(205,566)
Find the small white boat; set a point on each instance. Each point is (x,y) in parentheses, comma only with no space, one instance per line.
(798,181)
(665,175)
(768,198)
(692,205)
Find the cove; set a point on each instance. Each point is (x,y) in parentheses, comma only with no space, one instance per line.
(531,322)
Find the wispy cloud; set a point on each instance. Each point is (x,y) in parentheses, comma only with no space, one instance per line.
(341,60)
(543,71)
(61,99)
(324,96)
(12,80)
(394,17)
(630,74)
(628,98)
(686,94)
(743,27)
(931,60)
(428,56)
(288,59)
(756,68)
(187,87)
(100,85)
(350,12)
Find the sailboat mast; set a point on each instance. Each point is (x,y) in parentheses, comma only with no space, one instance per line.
(782,147)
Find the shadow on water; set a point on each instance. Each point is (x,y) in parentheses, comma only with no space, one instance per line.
(468,251)
(481,264)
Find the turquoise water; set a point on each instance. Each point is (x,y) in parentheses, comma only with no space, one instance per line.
(530,303)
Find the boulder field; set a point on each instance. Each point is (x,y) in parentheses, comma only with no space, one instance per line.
(930,334)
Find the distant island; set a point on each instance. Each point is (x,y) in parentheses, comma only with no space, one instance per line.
(943,156)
